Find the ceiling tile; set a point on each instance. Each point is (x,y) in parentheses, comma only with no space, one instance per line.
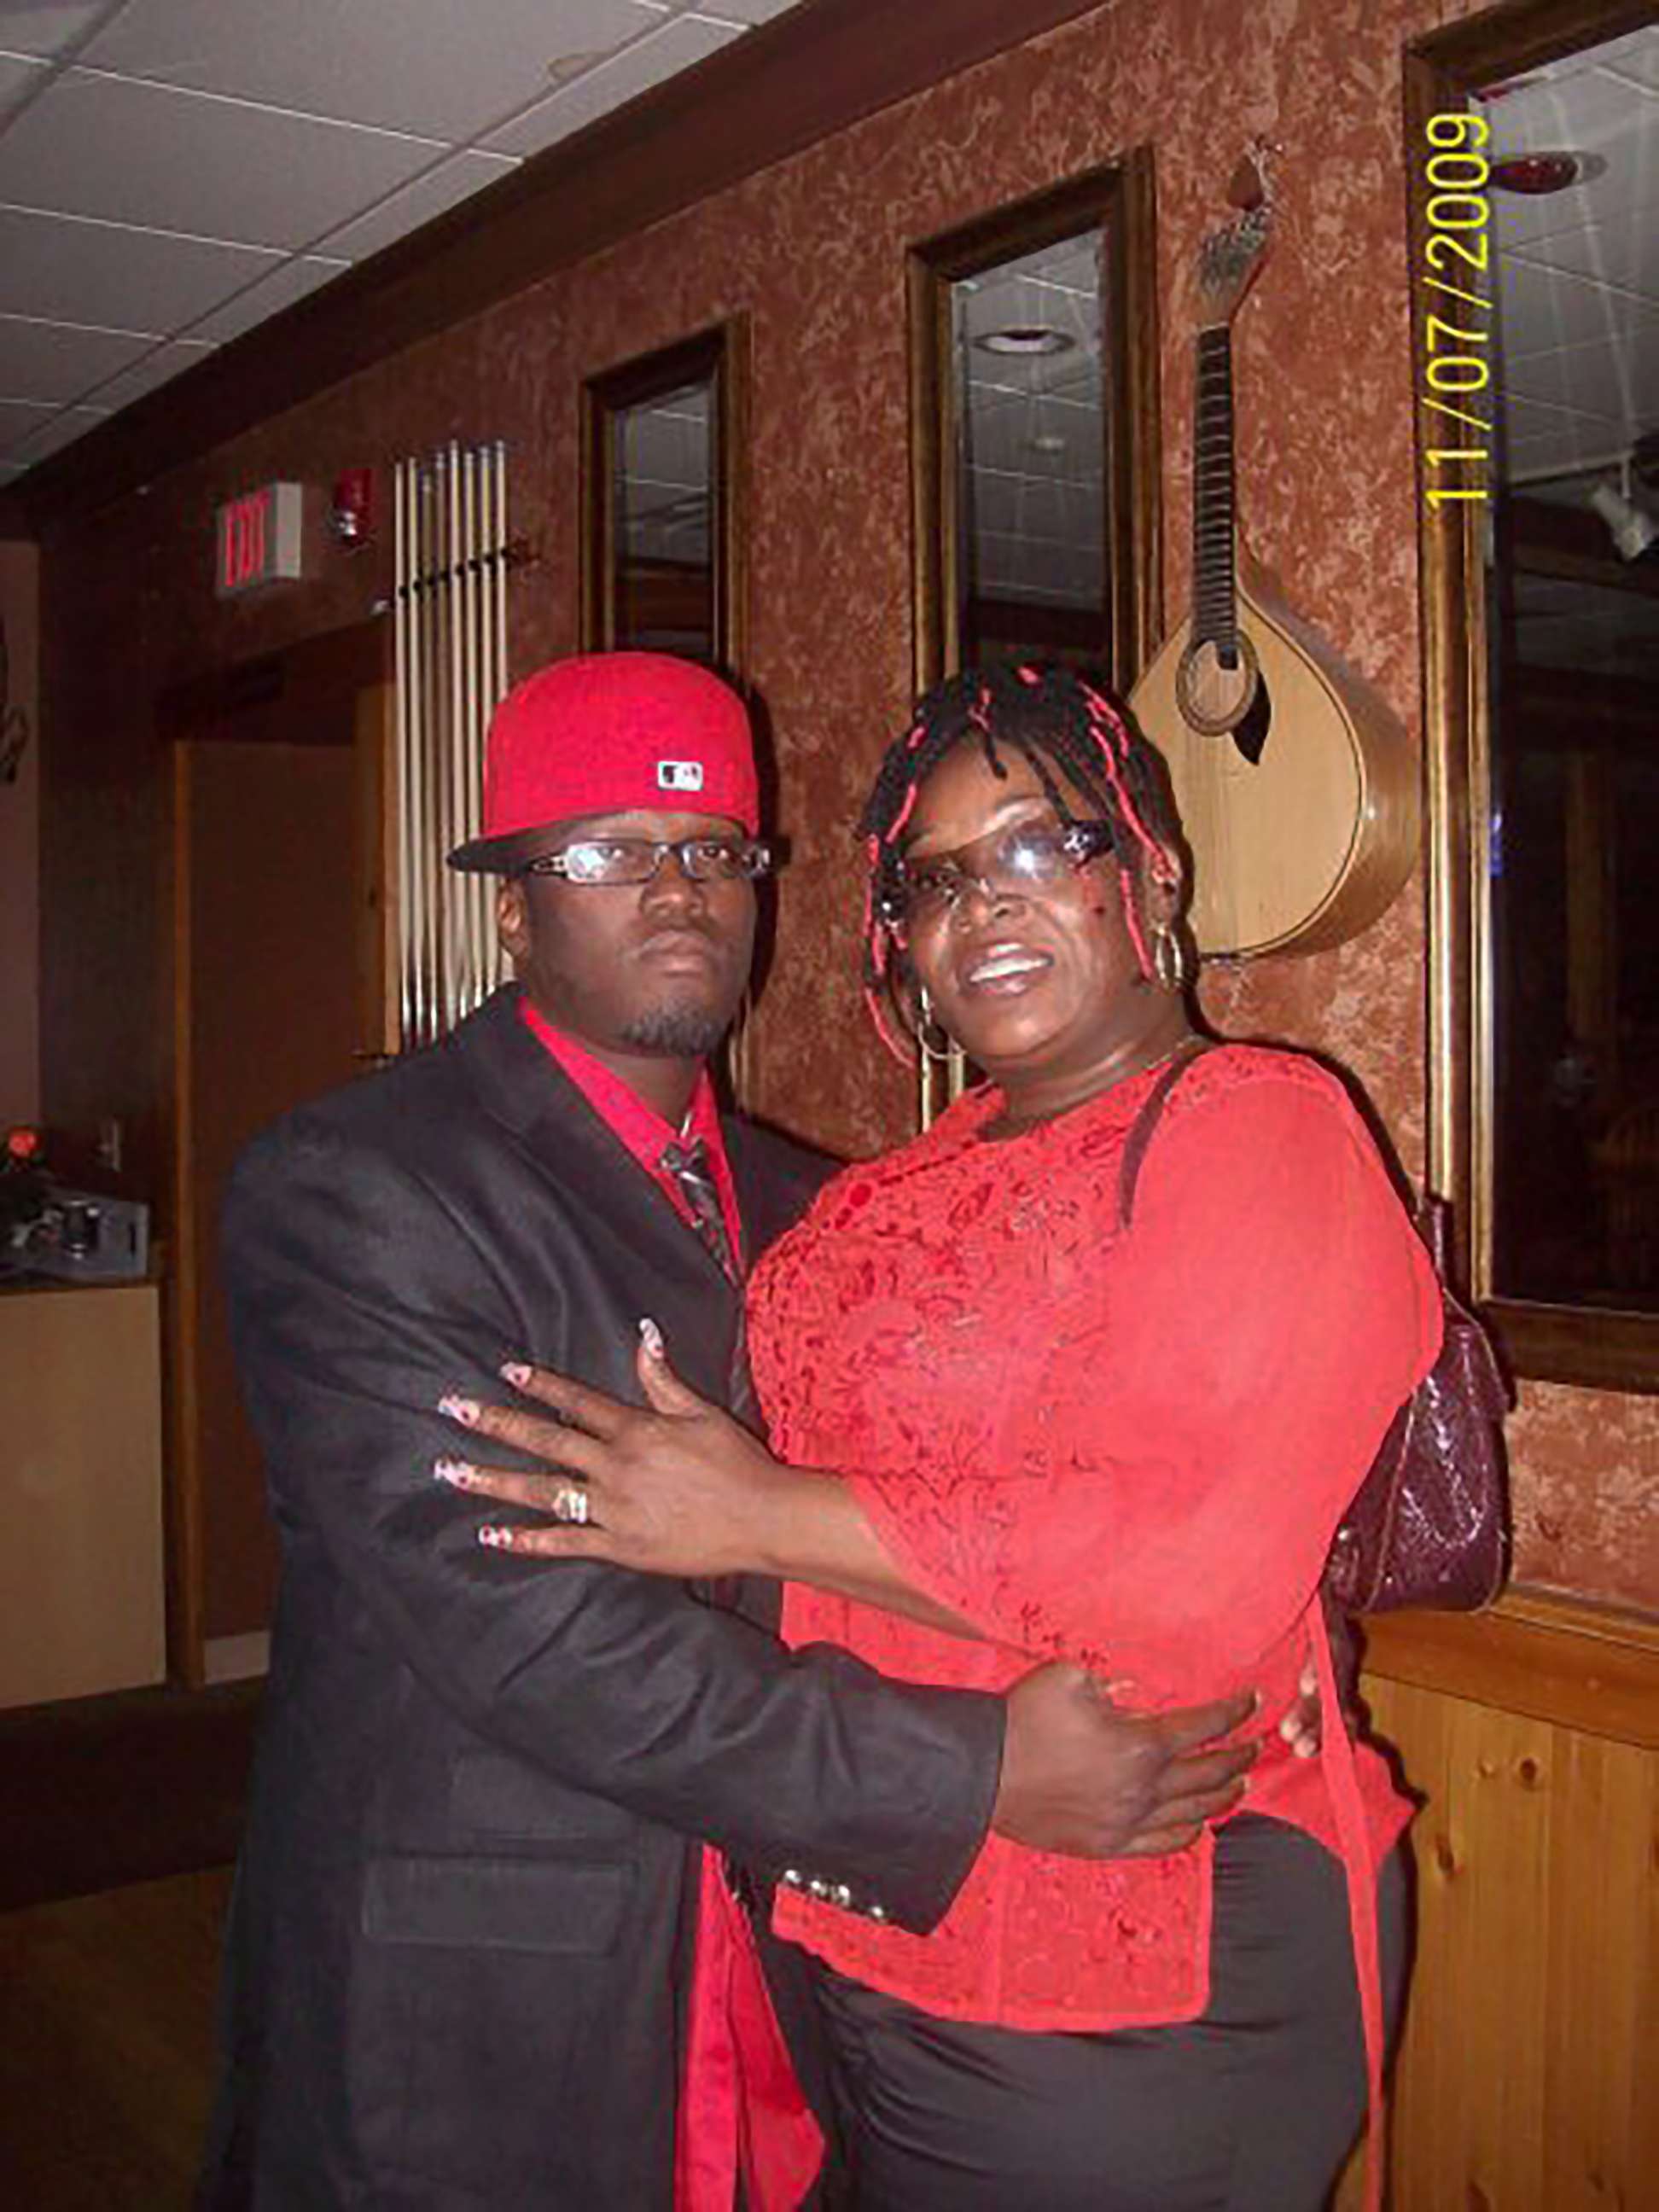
(1037,436)
(1593,113)
(994,501)
(290,281)
(664,449)
(1542,307)
(272,180)
(19,80)
(110,275)
(429,66)
(681,41)
(20,418)
(1025,568)
(65,428)
(1556,440)
(1519,219)
(52,362)
(1622,249)
(1041,508)
(1635,55)
(741,11)
(1618,383)
(1578,110)
(431,195)
(47,26)
(1006,302)
(29,434)
(158,367)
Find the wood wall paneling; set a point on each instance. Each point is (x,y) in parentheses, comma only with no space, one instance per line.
(1524,2081)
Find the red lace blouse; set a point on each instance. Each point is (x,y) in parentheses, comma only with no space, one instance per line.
(1127,1449)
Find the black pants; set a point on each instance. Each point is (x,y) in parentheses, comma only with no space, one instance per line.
(1250,2109)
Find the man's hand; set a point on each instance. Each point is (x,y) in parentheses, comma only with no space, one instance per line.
(1082,1776)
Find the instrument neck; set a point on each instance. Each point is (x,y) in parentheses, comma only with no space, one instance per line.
(1215,606)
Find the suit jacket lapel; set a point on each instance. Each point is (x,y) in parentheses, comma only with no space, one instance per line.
(526,1090)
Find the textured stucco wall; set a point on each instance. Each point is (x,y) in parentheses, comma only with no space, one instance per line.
(813,251)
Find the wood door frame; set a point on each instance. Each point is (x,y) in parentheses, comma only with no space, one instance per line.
(256,700)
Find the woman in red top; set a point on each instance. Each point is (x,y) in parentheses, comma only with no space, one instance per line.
(1055,1430)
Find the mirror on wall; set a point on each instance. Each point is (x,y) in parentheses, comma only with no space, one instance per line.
(1034,352)
(1029,550)
(661,568)
(1539,475)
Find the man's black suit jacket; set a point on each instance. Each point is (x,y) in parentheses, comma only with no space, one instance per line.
(457,1939)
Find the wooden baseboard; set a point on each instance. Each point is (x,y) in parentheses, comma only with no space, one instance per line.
(1591,1667)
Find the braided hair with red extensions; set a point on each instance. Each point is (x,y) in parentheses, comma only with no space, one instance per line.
(1061,718)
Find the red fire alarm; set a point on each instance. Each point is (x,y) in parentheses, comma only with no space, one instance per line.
(351,506)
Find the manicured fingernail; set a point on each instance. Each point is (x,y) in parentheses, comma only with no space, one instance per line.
(455,1471)
(651,1337)
(464,1410)
(515,1372)
(497,1540)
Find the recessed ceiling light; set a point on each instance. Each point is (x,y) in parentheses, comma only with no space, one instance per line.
(1025,338)
(1535,175)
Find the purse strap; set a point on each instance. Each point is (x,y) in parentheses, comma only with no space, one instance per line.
(1146,1120)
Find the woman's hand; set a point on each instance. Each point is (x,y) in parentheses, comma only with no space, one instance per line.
(676,1488)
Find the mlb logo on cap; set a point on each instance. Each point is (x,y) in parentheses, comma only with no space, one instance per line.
(679,776)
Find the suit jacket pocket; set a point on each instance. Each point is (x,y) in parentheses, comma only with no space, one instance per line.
(548,1905)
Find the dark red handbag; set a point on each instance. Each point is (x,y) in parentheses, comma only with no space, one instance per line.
(1429,1525)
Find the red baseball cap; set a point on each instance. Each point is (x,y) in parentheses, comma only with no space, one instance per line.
(605,732)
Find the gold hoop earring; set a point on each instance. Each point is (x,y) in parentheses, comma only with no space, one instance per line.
(939,1055)
(1169,964)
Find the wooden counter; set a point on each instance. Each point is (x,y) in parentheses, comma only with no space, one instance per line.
(81,1608)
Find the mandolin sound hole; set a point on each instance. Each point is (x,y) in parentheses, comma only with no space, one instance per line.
(1214,699)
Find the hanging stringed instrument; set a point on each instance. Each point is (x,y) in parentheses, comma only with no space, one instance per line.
(1298,787)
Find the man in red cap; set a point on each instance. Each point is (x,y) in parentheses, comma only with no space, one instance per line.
(457,1967)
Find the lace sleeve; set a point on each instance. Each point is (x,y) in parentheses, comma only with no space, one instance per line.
(1176,1447)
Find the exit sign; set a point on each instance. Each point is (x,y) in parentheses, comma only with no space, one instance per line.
(259,538)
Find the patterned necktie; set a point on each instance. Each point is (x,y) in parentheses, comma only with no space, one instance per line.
(690,1167)
(694,1177)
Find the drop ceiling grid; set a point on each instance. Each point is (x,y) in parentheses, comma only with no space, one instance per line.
(173,172)
(1033,430)
(1579,270)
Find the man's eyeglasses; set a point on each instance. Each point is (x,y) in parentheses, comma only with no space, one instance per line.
(637,860)
(1025,859)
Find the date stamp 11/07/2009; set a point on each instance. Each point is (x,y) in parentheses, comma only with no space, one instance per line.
(1457,396)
